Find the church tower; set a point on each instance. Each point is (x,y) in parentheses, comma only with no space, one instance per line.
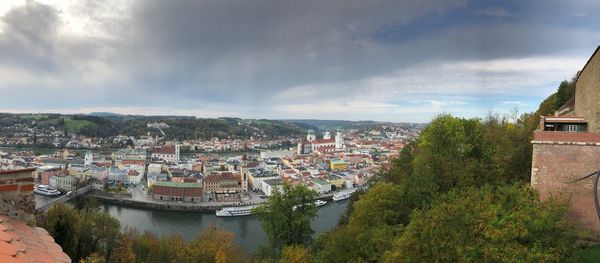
(89,158)
(339,140)
(311,136)
(327,135)
(244,173)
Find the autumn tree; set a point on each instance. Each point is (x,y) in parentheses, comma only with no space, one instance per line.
(295,254)
(213,245)
(124,252)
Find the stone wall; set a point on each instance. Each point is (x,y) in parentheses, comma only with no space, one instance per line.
(557,162)
(16,194)
(587,95)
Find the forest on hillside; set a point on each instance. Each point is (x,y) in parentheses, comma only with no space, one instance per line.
(180,127)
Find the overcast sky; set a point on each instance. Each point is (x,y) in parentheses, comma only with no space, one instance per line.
(394,60)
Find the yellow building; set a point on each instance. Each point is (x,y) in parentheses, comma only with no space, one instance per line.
(337,165)
(338,182)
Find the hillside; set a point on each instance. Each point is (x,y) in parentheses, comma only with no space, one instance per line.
(180,127)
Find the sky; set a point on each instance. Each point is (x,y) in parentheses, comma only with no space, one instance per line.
(396,60)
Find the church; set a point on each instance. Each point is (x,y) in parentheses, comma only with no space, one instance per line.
(325,144)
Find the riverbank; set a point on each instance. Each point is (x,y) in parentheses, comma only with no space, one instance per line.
(174,206)
(247,230)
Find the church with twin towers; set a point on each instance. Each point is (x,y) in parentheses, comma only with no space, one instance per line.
(325,144)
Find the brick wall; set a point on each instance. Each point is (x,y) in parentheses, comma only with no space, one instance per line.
(554,164)
(16,194)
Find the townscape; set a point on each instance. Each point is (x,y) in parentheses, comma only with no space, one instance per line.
(299,131)
(156,172)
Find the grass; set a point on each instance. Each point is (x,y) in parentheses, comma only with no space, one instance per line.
(36,117)
(76,125)
(591,254)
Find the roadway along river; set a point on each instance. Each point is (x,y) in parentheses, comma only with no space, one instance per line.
(247,229)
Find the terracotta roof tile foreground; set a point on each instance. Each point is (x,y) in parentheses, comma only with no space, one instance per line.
(22,243)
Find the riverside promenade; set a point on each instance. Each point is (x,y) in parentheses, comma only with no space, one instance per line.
(137,198)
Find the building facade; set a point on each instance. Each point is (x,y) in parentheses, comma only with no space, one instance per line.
(169,153)
(177,191)
(224,183)
(325,144)
(566,148)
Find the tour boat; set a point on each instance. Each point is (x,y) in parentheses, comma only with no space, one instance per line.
(236,211)
(45,190)
(343,195)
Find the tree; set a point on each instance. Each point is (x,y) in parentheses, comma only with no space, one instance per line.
(143,245)
(376,219)
(286,216)
(64,224)
(124,252)
(93,258)
(213,245)
(100,234)
(295,254)
(503,224)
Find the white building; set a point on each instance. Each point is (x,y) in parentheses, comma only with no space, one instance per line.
(155,168)
(269,186)
(257,176)
(321,186)
(326,144)
(89,158)
(268,154)
(167,153)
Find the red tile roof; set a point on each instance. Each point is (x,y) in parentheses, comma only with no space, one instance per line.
(165,150)
(22,243)
(17,171)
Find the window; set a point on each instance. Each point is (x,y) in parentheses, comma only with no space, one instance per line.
(572,128)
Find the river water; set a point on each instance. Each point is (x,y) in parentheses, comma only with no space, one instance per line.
(247,230)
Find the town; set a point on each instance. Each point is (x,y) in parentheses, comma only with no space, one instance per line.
(151,171)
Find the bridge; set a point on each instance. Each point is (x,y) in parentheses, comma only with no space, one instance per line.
(44,206)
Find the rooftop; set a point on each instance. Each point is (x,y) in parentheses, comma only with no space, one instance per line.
(22,243)
(337,161)
(320,181)
(273,182)
(178,184)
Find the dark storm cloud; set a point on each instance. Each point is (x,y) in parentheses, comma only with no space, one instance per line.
(28,39)
(273,58)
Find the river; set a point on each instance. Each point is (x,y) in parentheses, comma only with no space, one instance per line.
(247,230)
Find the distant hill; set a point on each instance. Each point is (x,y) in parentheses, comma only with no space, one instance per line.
(104,114)
(334,124)
(106,124)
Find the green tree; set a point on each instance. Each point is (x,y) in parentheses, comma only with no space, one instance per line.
(504,224)
(286,216)
(64,225)
(376,219)
(100,233)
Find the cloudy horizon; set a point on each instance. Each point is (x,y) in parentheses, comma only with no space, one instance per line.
(401,61)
